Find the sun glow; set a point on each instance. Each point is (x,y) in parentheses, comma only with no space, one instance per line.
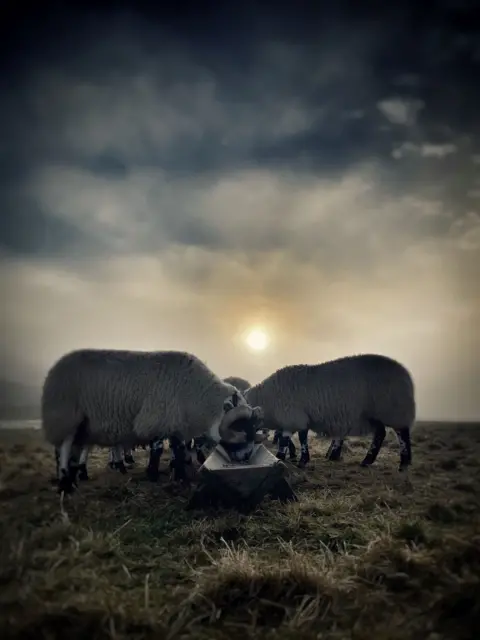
(257,340)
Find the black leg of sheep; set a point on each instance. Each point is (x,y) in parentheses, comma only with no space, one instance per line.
(285,445)
(292,451)
(181,458)
(129,459)
(276,437)
(334,452)
(70,480)
(156,451)
(403,436)
(198,444)
(305,454)
(377,442)
(54,479)
(115,455)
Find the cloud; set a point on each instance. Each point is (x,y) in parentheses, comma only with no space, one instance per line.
(400,111)
(328,267)
(426,150)
(172,199)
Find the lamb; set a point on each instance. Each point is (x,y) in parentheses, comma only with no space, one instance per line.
(123,398)
(353,395)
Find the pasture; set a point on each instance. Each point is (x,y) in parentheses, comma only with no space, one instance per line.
(365,554)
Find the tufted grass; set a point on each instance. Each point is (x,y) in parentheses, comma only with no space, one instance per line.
(365,554)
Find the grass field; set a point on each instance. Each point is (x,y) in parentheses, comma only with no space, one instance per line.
(365,554)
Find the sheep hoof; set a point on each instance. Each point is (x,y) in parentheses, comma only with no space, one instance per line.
(129,460)
(334,456)
(280,455)
(403,468)
(65,485)
(121,467)
(201,457)
(302,463)
(82,472)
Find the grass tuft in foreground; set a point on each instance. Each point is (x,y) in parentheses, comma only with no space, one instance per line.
(365,554)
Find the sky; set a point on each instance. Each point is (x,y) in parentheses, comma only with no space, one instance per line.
(174,180)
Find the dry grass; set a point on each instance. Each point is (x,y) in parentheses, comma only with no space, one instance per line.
(365,554)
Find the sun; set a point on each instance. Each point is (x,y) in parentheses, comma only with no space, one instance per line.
(257,339)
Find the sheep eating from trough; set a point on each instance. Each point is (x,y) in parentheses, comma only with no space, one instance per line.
(350,396)
(201,444)
(117,398)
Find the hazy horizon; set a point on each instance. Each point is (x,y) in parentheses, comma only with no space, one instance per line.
(170,187)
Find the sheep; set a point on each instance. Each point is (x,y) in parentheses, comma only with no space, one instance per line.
(156,447)
(121,398)
(353,395)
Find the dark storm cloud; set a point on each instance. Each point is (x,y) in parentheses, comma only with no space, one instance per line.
(156,176)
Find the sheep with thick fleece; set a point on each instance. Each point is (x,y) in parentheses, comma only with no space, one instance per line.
(156,448)
(351,396)
(123,398)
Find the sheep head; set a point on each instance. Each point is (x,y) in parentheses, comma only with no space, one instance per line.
(240,425)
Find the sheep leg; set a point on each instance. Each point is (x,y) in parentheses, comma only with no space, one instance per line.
(403,437)
(335,450)
(292,450)
(377,442)
(54,479)
(65,483)
(73,463)
(276,436)
(82,463)
(118,462)
(199,443)
(283,444)
(128,456)
(156,450)
(111,458)
(305,454)
(181,457)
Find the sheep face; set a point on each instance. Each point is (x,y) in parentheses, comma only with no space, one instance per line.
(245,429)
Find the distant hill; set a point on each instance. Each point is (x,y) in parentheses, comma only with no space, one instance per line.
(18,401)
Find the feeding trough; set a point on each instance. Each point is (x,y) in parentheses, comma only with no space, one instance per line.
(241,485)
